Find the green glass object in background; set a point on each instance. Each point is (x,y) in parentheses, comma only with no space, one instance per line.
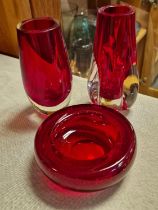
(81,44)
(69,10)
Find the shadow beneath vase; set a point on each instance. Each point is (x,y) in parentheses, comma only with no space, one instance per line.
(27,119)
(61,198)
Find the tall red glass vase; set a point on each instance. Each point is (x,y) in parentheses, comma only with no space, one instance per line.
(114,77)
(44,64)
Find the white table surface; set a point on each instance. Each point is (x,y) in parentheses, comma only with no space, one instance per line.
(23,185)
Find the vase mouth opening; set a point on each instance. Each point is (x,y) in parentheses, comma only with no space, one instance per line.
(37,25)
(117,10)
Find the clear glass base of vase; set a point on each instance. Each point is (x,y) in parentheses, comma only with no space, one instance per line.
(49,110)
(115,104)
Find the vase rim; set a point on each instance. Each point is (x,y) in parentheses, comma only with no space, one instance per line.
(21,26)
(120,10)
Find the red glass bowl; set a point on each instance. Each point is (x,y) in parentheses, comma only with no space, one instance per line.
(85,147)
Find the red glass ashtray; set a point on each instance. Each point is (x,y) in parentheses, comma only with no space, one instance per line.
(85,147)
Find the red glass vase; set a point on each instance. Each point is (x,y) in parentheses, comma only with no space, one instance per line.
(85,147)
(44,64)
(114,77)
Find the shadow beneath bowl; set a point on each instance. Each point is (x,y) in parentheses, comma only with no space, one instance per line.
(27,119)
(125,112)
(61,198)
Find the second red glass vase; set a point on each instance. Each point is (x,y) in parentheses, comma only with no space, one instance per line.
(114,78)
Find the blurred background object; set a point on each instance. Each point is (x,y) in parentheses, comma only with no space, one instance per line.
(81,42)
(79,25)
(13,12)
(69,10)
(149,76)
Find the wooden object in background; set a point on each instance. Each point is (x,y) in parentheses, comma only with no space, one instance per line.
(91,4)
(101,3)
(141,17)
(11,13)
(136,3)
(140,40)
(45,8)
(14,11)
(150,64)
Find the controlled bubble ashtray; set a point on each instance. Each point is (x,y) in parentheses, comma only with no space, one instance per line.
(85,147)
